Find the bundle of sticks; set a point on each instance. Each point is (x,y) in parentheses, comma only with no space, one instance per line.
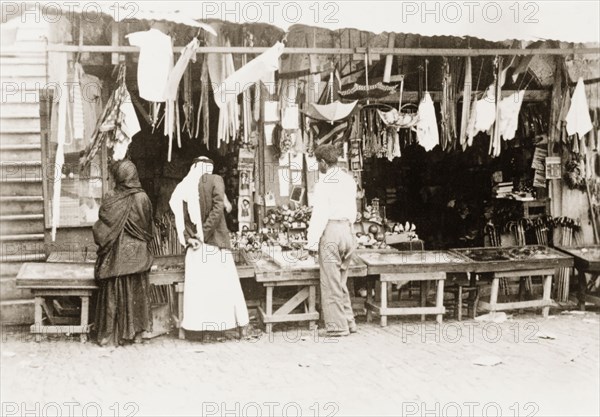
(164,239)
(493,234)
(570,235)
(164,294)
(542,225)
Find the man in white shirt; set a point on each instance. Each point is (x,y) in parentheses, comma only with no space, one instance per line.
(330,231)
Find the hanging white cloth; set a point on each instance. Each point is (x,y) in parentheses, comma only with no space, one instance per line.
(578,118)
(508,119)
(154,64)
(260,68)
(427,130)
(212,299)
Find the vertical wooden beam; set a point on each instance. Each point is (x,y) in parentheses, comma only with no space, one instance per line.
(555,186)
(261,156)
(389,59)
(114,58)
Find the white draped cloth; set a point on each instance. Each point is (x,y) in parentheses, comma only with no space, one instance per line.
(212,299)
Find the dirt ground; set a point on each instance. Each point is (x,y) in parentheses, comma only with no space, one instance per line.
(529,366)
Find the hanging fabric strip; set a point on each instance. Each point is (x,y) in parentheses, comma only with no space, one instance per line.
(61,63)
(466,104)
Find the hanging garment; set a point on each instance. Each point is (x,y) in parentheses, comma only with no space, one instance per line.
(508,119)
(271,114)
(129,126)
(463,137)
(485,111)
(155,63)
(427,130)
(91,88)
(77,103)
(578,119)
(187,54)
(117,125)
(61,122)
(260,68)
(398,119)
(290,118)
(220,67)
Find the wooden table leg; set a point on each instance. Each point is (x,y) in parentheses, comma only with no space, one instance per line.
(384,302)
(439,300)
(547,294)
(459,301)
(180,311)
(269,326)
(494,293)
(38,320)
(369,299)
(582,288)
(424,291)
(312,301)
(85,306)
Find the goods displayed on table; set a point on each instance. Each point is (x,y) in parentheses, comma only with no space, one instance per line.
(533,252)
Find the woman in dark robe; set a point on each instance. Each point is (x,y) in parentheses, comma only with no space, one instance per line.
(122,233)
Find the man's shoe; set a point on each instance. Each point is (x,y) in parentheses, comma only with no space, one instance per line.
(352,327)
(338,333)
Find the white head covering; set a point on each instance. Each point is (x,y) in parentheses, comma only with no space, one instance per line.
(187,190)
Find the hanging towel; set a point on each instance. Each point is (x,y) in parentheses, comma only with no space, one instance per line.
(578,119)
(427,130)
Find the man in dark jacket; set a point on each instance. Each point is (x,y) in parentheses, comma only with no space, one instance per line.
(211,193)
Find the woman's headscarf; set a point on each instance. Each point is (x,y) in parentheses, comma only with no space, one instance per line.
(125,175)
(187,190)
(116,208)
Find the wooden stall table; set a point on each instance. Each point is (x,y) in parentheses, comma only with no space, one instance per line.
(47,280)
(305,278)
(423,266)
(516,262)
(587,260)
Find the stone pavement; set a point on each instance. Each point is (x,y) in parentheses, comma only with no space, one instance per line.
(548,368)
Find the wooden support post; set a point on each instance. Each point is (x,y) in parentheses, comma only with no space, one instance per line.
(115,40)
(439,300)
(387,71)
(384,303)
(312,301)
(85,307)
(459,302)
(494,293)
(38,320)
(423,297)
(180,287)
(269,307)
(546,294)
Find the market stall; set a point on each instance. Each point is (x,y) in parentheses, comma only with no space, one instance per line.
(587,261)
(519,263)
(404,267)
(279,269)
